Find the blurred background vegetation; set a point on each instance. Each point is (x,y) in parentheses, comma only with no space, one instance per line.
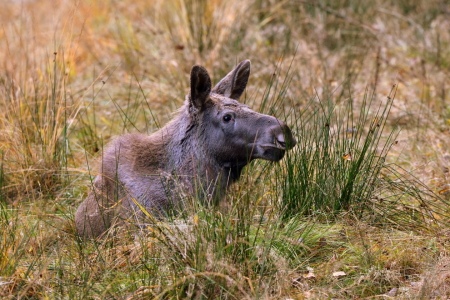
(358,209)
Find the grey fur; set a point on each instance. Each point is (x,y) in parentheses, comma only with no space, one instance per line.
(199,152)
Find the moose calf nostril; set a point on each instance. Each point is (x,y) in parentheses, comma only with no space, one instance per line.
(280,141)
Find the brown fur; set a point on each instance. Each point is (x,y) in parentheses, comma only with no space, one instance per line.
(201,151)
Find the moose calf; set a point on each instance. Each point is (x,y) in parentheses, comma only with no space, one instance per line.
(203,150)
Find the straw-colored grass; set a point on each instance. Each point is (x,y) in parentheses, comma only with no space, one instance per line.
(74,74)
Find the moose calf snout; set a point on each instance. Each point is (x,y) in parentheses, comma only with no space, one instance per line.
(284,136)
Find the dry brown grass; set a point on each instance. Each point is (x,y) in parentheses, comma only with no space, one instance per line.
(76,73)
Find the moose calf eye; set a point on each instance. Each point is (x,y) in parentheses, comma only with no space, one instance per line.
(227,118)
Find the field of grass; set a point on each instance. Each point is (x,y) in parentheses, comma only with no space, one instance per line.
(360,208)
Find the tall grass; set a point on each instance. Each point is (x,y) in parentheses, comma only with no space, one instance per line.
(341,164)
(36,114)
(363,192)
(339,160)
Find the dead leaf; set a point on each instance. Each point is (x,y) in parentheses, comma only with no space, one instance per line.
(445,191)
(392,293)
(339,274)
(310,275)
(347,156)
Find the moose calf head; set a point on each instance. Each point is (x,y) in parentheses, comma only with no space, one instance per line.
(232,132)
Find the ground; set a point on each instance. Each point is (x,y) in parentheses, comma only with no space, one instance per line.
(359,209)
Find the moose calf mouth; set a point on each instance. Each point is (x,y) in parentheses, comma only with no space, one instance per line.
(271,152)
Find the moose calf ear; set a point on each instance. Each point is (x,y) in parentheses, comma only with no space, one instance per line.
(200,87)
(233,85)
